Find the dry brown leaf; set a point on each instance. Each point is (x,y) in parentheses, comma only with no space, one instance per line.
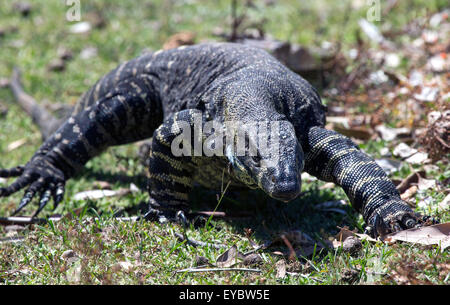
(444,205)
(345,233)
(425,184)
(281,269)
(252,259)
(431,235)
(409,192)
(228,258)
(179,39)
(409,181)
(328,185)
(361,133)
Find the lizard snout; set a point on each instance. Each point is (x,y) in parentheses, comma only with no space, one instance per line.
(285,187)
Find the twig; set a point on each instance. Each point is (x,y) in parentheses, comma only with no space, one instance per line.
(29,220)
(14,239)
(25,220)
(197,243)
(189,270)
(292,255)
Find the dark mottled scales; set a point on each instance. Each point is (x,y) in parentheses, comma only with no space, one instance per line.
(143,97)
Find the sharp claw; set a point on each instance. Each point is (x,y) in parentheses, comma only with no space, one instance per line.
(58,195)
(45,198)
(152,214)
(25,200)
(180,217)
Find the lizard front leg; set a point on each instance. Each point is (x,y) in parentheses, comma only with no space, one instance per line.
(335,158)
(170,173)
(120,118)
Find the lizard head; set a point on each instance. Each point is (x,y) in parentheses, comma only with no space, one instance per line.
(272,159)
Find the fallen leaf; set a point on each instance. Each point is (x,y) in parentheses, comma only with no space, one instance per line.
(412,179)
(361,133)
(98,194)
(403,150)
(16,144)
(389,165)
(252,259)
(444,205)
(201,261)
(179,39)
(389,134)
(417,158)
(430,235)
(328,185)
(228,258)
(409,192)
(281,269)
(428,94)
(425,184)
(345,233)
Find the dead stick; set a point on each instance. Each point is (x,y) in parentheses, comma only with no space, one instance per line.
(28,220)
(292,255)
(216,269)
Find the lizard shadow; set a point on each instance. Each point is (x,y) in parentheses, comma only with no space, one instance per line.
(246,209)
(266,216)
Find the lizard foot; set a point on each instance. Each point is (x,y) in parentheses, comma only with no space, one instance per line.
(395,217)
(42,178)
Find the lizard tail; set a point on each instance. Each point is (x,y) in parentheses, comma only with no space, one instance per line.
(46,122)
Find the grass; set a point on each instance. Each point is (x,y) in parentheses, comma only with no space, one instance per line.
(152,249)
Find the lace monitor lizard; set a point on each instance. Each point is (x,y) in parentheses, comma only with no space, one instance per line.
(149,95)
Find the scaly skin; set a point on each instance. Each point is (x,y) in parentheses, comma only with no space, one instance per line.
(148,96)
